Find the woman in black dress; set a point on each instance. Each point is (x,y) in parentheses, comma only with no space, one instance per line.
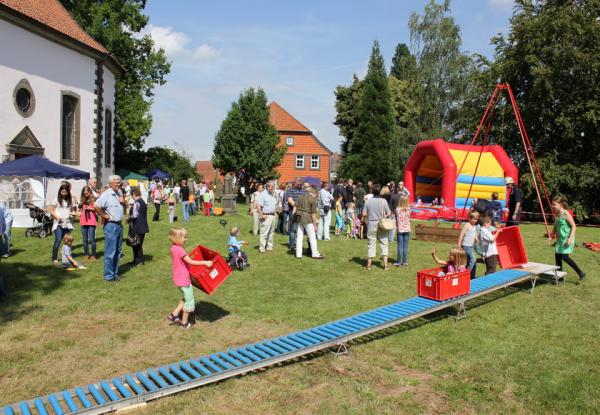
(138,225)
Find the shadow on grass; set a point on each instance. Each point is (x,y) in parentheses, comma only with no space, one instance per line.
(124,268)
(361,261)
(209,312)
(25,281)
(80,245)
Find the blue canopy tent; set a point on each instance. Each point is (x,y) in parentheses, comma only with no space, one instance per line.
(38,166)
(158,174)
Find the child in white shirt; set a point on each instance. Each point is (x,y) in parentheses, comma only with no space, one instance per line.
(489,249)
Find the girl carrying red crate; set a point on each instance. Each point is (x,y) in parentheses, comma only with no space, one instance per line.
(181,262)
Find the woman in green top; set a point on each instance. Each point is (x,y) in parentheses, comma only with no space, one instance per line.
(563,234)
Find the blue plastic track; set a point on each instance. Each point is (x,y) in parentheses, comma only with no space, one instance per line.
(108,395)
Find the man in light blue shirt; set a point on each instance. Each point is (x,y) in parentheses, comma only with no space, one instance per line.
(111,207)
(266,204)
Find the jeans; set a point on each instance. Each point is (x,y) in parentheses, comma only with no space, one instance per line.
(89,240)
(59,233)
(186,211)
(324,225)
(5,240)
(113,238)
(280,221)
(293,226)
(471,260)
(312,239)
(171,214)
(402,257)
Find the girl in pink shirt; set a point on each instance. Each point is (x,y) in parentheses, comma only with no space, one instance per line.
(181,277)
(88,221)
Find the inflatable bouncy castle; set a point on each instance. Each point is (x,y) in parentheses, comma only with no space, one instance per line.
(443,171)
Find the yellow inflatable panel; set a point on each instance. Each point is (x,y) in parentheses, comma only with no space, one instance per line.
(479,195)
(480,188)
(488,165)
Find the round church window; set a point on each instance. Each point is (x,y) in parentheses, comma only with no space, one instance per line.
(23,98)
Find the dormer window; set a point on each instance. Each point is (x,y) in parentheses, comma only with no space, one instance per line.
(289,141)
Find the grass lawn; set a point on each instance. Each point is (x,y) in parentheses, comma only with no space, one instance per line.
(514,353)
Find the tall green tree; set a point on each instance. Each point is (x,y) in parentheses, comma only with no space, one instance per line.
(117,24)
(346,105)
(551,59)
(373,150)
(176,163)
(247,140)
(442,69)
(404,64)
(406,116)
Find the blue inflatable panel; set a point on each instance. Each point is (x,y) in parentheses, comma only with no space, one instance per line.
(460,203)
(429,180)
(483,180)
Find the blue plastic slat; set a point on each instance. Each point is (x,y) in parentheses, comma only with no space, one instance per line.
(272,345)
(332,331)
(239,357)
(320,336)
(284,345)
(168,376)
(258,352)
(69,401)
(157,379)
(121,388)
(137,389)
(83,398)
(200,367)
(300,340)
(360,322)
(337,330)
(407,310)
(96,394)
(24,408)
(108,391)
(387,312)
(310,337)
(373,320)
(220,362)
(8,411)
(148,384)
(39,405)
(230,359)
(179,373)
(191,372)
(292,343)
(210,364)
(55,405)
(343,325)
(266,350)
(323,333)
(252,356)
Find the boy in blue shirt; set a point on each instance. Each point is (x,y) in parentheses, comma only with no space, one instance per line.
(234,247)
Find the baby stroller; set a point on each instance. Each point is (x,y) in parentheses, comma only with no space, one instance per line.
(42,222)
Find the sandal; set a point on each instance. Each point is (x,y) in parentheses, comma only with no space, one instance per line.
(368,267)
(173,319)
(385,267)
(186,326)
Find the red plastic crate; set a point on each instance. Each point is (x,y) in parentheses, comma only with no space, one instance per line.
(429,285)
(511,250)
(208,279)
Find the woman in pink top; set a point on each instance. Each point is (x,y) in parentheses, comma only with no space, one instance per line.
(88,221)
(181,277)
(403,231)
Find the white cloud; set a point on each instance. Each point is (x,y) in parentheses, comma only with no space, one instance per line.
(501,5)
(176,44)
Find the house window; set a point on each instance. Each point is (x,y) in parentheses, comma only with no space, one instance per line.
(108,129)
(289,141)
(314,162)
(299,162)
(70,129)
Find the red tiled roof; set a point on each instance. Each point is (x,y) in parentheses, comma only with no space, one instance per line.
(206,169)
(282,120)
(54,16)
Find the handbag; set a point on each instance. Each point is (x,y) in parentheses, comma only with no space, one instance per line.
(132,239)
(386,224)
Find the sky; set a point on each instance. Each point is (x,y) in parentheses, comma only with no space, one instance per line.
(297,51)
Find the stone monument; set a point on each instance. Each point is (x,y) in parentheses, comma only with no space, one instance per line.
(229,196)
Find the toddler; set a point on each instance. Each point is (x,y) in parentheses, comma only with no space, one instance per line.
(171,202)
(68,263)
(488,245)
(467,240)
(234,247)
(181,262)
(457,261)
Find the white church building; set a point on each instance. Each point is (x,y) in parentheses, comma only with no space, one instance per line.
(57,88)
